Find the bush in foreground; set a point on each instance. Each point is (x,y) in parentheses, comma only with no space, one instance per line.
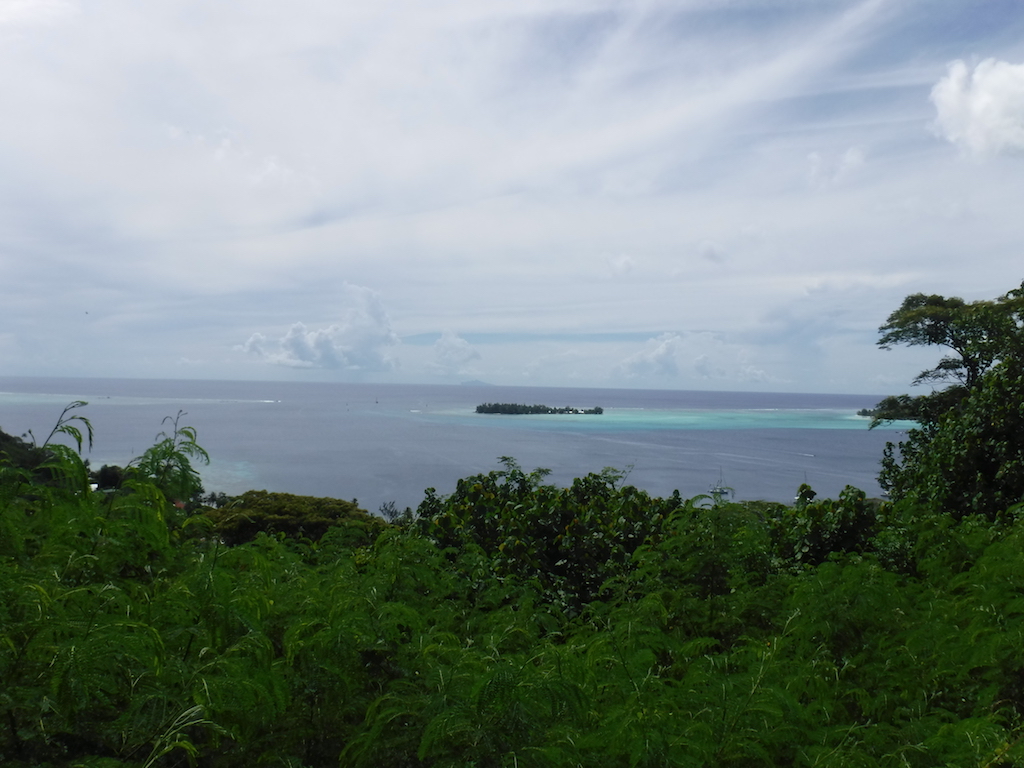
(661,632)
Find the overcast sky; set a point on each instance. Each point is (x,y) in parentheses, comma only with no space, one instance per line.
(687,194)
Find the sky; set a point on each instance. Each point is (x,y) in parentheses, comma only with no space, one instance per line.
(684,194)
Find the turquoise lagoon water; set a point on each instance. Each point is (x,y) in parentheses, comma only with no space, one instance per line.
(380,443)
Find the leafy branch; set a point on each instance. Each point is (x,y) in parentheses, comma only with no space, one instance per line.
(66,426)
(168,463)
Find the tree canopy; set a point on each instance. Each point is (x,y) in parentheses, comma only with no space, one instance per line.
(514,623)
(965,455)
(979,334)
(520,408)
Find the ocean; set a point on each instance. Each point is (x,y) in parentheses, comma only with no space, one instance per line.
(379,443)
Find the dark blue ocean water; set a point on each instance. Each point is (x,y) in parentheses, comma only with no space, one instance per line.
(378,443)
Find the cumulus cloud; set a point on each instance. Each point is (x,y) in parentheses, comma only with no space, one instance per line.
(710,368)
(825,171)
(657,358)
(453,355)
(753,374)
(360,342)
(705,368)
(981,111)
(524,168)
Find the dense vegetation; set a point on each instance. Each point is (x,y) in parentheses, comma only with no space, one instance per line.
(513,623)
(518,408)
(967,454)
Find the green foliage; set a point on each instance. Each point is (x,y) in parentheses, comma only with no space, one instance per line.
(975,332)
(966,456)
(520,408)
(980,334)
(810,532)
(52,461)
(168,463)
(299,517)
(568,541)
(67,424)
(514,623)
(16,452)
(972,460)
(924,409)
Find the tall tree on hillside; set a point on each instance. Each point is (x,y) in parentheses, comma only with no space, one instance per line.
(978,334)
(967,454)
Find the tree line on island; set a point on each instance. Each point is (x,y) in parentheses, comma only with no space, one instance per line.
(146,624)
(518,408)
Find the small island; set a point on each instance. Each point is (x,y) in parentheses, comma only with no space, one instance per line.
(516,408)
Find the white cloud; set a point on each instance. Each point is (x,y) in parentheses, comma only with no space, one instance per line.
(453,355)
(560,366)
(555,167)
(35,11)
(981,111)
(621,265)
(705,368)
(359,343)
(657,358)
(711,251)
(226,153)
(826,171)
(753,375)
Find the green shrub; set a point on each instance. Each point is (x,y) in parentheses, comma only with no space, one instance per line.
(299,517)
